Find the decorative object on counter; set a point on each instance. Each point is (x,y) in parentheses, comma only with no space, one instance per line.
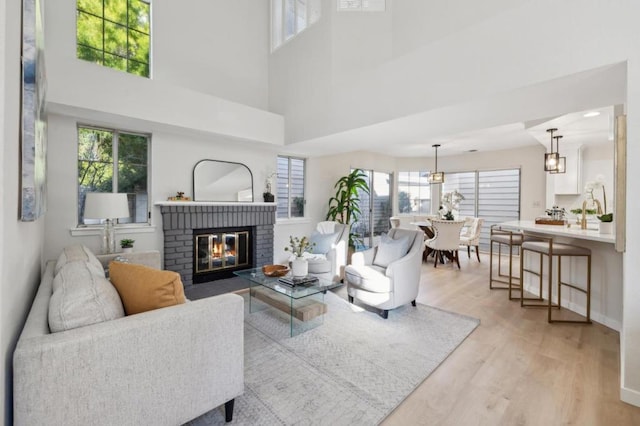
(275,270)
(562,161)
(549,221)
(551,158)
(127,245)
(107,206)
(450,202)
(590,199)
(344,207)
(596,184)
(556,213)
(179,197)
(606,223)
(267,195)
(436,177)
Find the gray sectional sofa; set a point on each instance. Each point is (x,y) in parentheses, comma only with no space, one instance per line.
(161,367)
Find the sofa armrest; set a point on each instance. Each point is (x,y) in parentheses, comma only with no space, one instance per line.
(165,366)
(149,258)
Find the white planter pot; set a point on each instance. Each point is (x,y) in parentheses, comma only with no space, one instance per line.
(299,267)
(606,227)
(127,249)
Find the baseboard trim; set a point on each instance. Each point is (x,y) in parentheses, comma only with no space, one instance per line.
(630,396)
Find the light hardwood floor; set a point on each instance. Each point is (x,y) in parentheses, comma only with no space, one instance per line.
(515,368)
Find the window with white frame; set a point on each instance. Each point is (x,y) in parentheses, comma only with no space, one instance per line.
(290,17)
(114,161)
(115,33)
(291,183)
(414,193)
(361,5)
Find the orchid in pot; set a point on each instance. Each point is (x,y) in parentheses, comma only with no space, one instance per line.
(606,223)
(450,202)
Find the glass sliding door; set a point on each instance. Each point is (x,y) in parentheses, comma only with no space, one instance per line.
(493,195)
(498,199)
(375,209)
(465,184)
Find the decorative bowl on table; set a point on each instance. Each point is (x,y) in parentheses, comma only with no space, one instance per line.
(275,270)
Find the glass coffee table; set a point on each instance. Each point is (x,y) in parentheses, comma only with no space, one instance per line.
(302,304)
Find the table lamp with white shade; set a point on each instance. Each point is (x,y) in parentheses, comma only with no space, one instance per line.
(109,206)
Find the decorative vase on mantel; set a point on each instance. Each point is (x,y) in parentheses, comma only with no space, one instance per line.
(268,197)
(299,267)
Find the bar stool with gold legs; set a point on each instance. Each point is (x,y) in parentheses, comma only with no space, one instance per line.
(510,239)
(545,246)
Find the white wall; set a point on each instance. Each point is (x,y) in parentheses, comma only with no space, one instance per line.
(630,336)
(20,242)
(173,156)
(80,87)
(218,47)
(501,51)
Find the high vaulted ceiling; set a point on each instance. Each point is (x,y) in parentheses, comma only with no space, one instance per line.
(507,120)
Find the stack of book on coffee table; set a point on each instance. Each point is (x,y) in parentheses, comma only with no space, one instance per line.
(299,281)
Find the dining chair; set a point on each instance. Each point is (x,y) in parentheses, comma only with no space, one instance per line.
(446,240)
(470,235)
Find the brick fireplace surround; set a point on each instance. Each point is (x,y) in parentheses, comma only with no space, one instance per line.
(180,218)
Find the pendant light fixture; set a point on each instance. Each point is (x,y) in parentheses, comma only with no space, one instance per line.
(551,158)
(562,161)
(436,177)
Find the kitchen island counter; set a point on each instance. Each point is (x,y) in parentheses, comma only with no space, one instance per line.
(606,270)
(573,231)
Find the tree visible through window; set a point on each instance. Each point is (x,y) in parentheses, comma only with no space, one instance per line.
(112,161)
(114,33)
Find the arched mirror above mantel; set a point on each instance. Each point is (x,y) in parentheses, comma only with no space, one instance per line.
(215,180)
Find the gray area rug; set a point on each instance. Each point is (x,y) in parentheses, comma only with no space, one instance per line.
(353,369)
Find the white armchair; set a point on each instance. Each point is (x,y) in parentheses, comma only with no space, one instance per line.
(387,276)
(446,239)
(332,241)
(471,235)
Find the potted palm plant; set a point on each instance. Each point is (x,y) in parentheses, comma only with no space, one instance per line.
(344,207)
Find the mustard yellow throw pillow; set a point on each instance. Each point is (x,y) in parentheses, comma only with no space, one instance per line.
(142,288)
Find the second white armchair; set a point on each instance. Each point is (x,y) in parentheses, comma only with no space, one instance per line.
(388,275)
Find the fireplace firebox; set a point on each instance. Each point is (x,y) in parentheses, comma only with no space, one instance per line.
(220,251)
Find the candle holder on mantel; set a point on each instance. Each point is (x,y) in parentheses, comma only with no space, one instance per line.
(179,197)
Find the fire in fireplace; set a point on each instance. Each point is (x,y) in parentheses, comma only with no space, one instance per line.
(219,252)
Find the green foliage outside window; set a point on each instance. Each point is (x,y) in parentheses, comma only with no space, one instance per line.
(114,33)
(99,171)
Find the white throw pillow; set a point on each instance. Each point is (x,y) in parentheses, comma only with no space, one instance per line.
(77,252)
(390,250)
(323,242)
(82,296)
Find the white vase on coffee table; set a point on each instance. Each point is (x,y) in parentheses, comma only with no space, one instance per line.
(299,267)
